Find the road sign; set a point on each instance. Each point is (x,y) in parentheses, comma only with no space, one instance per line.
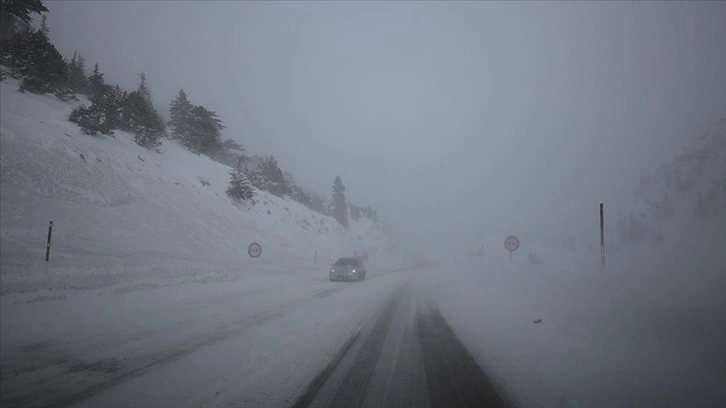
(602,235)
(255,250)
(511,243)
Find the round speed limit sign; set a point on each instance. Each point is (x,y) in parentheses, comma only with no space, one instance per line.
(255,250)
(511,243)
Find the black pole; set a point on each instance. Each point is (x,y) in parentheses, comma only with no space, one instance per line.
(47,247)
(602,235)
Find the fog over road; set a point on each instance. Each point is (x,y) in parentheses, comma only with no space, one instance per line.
(294,340)
(407,357)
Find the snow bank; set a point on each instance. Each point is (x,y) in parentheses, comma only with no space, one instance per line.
(646,330)
(124,214)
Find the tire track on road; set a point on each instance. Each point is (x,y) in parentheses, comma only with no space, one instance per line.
(426,365)
(70,383)
(352,390)
(35,398)
(453,377)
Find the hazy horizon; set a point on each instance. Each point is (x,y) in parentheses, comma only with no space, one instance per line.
(139,274)
(515,116)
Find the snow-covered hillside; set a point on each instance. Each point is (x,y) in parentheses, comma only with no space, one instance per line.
(699,169)
(645,330)
(123,214)
(684,196)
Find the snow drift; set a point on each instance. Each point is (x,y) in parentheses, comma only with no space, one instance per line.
(122,213)
(645,330)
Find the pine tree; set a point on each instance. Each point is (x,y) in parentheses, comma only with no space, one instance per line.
(139,117)
(369,213)
(253,177)
(239,186)
(42,68)
(72,65)
(231,145)
(96,84)
(271,177)
(228,152)
(355,212)
(44,26)
(14,12)
(299,195)
(77,80)
(92,120)
(339,205)
(194,126)
(205,129)
(317,204)
(143,89)
(113,104)
(23,28)
(180,112)
(104,114)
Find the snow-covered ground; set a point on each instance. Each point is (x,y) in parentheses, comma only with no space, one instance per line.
(150,298)
(249,343)
(149,264)
(124,215)
(648,330)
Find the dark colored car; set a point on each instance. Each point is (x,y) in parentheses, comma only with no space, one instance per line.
(348,269)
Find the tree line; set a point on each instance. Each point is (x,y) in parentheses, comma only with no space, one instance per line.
(41,69)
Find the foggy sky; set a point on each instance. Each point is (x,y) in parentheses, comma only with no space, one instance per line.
(518,116)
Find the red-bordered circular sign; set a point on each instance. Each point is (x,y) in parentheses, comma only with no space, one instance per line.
(511,243)
(255,250)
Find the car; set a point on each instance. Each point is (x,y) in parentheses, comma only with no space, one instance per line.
(348,269)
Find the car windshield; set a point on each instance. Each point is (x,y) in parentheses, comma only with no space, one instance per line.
(347,262)
(362,203)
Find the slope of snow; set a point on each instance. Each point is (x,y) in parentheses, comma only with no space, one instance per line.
(698,172)
(631,335)
(700,166)
(124,214)
(646,330)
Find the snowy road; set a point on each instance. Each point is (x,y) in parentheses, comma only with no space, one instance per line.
(276,342)
(407,357)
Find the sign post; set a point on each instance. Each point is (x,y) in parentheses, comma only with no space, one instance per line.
(47,246)
(602,235)
(254,250)
(511,243)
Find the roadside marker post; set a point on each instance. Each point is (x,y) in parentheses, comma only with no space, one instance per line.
(47,246)
(602,234)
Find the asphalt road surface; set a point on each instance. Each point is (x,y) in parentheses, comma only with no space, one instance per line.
(293,341)
(407,357)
